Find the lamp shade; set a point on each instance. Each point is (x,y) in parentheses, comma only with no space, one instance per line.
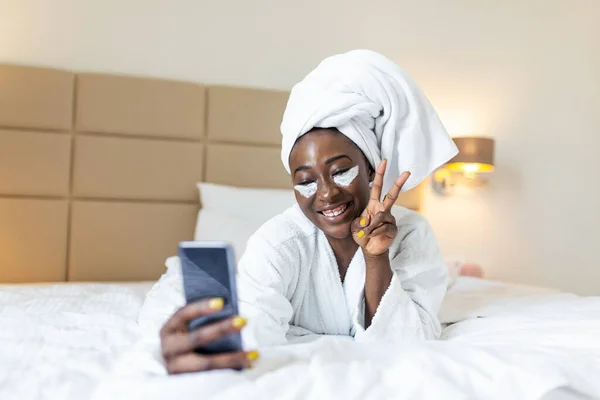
(475,154)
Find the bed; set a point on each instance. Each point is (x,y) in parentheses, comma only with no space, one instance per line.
(99,178)
(83,341)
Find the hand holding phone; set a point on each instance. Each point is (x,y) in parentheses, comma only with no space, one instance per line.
(205,334)
(178,343)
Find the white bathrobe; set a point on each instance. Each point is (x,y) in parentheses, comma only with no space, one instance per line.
(289,284)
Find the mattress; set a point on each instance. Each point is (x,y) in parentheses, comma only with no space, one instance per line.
(82,341)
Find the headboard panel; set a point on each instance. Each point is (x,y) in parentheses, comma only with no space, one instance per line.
(245,166)
(98,172)
(33,237)
(34,163)
(124,105)
(257,115)
(115,240)
(129,168)
(36,98)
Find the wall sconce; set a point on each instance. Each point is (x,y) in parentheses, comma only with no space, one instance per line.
(475,158)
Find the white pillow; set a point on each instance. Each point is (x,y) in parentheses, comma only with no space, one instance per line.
(233,214)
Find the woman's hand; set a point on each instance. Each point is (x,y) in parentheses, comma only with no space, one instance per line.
(376,228)
(178,343)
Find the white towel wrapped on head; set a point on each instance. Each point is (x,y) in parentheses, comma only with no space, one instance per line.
(378,106)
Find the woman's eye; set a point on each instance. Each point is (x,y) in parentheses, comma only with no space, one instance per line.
(340,172)
(304,183)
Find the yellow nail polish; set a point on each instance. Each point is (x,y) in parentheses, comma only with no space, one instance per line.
(361,234)
(239,322)
(252,355)
(215,304)
(363,222)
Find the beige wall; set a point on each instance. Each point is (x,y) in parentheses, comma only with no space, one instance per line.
(524,72)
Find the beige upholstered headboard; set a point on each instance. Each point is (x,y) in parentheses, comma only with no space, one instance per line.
(98,172)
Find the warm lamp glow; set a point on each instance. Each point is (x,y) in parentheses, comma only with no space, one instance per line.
(475,157)
(470,167)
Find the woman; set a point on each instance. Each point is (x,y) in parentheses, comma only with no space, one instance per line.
(338,262)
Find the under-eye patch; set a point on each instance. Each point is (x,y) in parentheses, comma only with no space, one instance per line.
(308,190)
(346,178)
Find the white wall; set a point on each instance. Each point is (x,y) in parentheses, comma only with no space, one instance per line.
(524,72)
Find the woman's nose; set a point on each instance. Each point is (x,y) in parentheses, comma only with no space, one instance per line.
(328,191)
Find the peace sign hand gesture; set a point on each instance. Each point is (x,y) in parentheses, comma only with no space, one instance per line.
(376,228)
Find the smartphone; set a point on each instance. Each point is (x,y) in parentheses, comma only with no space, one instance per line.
(208,270)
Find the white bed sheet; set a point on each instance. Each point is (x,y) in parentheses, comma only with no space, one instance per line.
(470,298)
(503,341)
(57,341)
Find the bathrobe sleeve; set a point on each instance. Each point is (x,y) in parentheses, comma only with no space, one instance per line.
(408,309)
(266,279)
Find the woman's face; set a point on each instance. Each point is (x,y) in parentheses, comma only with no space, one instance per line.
(325,157)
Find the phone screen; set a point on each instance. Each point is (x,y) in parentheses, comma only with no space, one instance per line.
(206,273)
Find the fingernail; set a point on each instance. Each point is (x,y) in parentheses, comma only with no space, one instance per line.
(361,234)
(252,355)
(363,222)
(215,304)
(239,322)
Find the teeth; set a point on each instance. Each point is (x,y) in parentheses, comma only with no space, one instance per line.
(335,212)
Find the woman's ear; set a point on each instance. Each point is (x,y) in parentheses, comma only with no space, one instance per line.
(371,173)
(370,170)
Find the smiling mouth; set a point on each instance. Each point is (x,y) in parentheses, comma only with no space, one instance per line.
(335,212)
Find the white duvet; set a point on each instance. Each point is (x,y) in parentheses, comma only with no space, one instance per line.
(83,341)
(59,341)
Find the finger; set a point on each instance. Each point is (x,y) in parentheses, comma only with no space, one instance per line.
(359,223)
(192,362)
(234,360)
(389,230)
(392,196)
(201,336)
(378,181)
(378,220)
(179,321)
(176,344)
(358,226)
